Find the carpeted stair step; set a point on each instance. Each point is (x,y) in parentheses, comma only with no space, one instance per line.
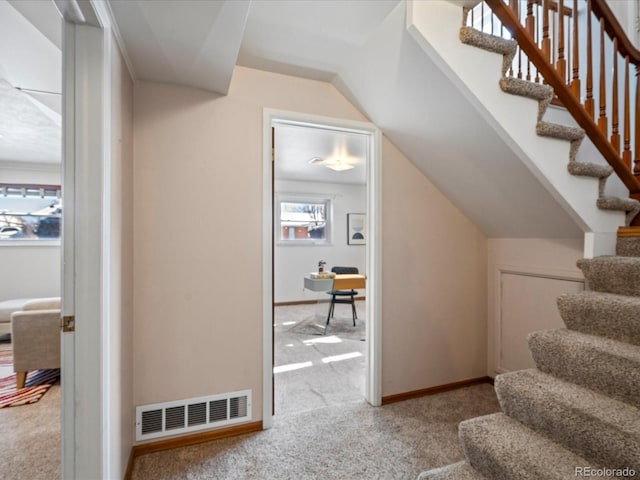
(601,364)
(524,88)
(612,274)
(502,448)
(455,471)
(629,205)
(604,314)
(486,41)
(603,430)
(561,132)
(586,169)
(628,247)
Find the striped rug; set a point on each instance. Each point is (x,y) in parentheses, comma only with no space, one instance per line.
(37,384)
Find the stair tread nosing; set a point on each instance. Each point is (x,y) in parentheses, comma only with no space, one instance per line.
(586,169)
(455,471)
(612,274)
(502,448)
(600,429)
(604,314)
(486,41)
(524,88)
(561,132)
(601,364)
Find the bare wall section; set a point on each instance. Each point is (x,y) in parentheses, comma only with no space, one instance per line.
(34,267)
(197,248)
(434,284)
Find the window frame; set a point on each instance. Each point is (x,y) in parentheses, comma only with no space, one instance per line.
(325,199)
(52,191)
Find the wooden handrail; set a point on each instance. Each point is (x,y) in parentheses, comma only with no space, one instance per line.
(615,30)
(563,92)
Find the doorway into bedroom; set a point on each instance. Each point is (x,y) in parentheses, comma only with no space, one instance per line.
(319,218)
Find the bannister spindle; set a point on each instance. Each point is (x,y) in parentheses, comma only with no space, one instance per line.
(588,103)
(530,24)
(602,119)
(546,41)
(626,153)
(560,64)
(636,161)
(615,136)
(575,79)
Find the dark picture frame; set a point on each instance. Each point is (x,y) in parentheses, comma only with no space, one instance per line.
(356,228)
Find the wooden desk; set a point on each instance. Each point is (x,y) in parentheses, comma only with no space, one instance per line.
(339,282)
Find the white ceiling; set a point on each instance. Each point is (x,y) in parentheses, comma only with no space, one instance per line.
(296,145)
(311,38)
(191,42)
(30,82)
(361,46)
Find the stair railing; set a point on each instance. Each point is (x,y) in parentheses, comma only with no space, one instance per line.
(556,42)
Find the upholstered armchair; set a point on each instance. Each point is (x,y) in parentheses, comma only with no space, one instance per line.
(35,337)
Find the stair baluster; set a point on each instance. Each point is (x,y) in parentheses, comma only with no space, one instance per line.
(615,136)
(626,154)
(575,81)
(588,103)
(602,119)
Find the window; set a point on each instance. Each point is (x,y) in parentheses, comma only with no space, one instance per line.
(29,212)
(303,220)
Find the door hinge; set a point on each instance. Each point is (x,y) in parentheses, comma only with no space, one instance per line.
(68,323)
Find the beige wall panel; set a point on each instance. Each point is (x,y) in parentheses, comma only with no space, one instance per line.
(197,248)
(552,261)
(528,303)
(434,284)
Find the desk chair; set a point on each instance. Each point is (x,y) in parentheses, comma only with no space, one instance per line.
(340,296)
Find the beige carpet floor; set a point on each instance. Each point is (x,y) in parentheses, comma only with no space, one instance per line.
(313,370)
(323,429)
(338,442)
(30,436)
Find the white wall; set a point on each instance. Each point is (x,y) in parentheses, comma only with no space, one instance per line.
(525,276)
(294,262)
(35,268)
(122,414)
(198,288)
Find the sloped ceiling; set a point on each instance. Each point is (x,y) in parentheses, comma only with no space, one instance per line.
(190,42)
(30,83)
(363,48)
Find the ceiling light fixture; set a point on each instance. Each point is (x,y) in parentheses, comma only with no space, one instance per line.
(338,165)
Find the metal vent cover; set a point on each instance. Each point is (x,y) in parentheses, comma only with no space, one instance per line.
(192,414)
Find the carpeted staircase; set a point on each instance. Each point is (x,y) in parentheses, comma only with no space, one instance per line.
(543,94)
(580,408)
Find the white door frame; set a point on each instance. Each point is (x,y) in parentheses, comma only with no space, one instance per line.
(85,239)
(373,381)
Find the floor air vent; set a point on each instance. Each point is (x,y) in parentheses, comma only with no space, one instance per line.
(183,416)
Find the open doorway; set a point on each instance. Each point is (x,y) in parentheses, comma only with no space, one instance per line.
(30,247)
(319,211)
(319,364)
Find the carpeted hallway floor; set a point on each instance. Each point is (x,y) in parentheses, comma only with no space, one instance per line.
(323,428)
(339,442)
(30,436)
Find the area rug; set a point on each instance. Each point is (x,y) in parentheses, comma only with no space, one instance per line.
(339,326)
(37,384)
